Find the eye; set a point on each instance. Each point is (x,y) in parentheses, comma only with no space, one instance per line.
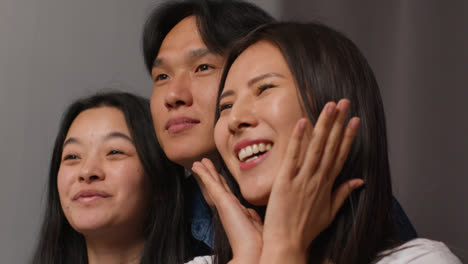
(223,107)
(203,67)
(70,157)
(161,77)
(264,87)
(114,152)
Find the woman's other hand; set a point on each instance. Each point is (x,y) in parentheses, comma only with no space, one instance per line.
(243,226)
(302,203)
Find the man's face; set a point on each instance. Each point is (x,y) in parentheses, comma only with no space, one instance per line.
(185,76)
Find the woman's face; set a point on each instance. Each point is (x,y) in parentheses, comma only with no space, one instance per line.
(259,107)
(101,180)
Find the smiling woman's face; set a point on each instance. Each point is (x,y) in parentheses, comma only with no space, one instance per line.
(101,180)
(259,108)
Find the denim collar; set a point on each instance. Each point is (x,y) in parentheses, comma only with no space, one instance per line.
(201,225)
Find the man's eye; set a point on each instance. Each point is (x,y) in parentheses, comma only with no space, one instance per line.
(223,107)
(161,77)
(203,67)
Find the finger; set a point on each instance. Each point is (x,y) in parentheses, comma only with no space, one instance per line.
(319,137)
(225,184)
(213,187)
(256,220)
(217,176)
(342,192)
(211,169)
(333,141)
(293,153)
(345,146)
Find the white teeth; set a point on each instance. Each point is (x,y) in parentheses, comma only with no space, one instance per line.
(251,150)
(255,149)
(251,158)
(261,147)
(242,154)
(248,151)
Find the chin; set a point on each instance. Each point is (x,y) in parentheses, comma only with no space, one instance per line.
(186,156)
(88,224)
(256,198)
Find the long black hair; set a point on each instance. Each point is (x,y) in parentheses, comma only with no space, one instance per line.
(220,23)
(164,230)
(327,66)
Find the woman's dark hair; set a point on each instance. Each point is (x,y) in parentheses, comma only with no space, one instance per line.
(220,23)
(164,229)
(327,66)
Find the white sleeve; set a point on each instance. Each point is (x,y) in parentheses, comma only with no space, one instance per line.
(420,251)
(201,260)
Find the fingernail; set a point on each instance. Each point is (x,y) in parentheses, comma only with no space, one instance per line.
(331,109)
(354,123)
(302,124)
(360,187)
(343,105)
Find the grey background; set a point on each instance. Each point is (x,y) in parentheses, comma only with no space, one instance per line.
(52,51)
(419,52)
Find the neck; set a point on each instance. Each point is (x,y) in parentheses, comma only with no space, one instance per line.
(104,249)
(213,156)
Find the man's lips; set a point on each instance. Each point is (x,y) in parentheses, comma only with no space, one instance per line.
(178,124)
(88,194)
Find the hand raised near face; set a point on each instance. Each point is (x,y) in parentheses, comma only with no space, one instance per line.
(302,203)
(243,226)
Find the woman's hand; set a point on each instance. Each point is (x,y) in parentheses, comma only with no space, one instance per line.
(243,226)
(302,203)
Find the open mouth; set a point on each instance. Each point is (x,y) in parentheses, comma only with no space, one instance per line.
(253,151)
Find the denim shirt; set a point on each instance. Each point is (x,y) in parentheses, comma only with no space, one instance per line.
(201,226)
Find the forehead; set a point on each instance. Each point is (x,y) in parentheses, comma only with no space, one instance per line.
(182,38)
(98,120)
(260,58)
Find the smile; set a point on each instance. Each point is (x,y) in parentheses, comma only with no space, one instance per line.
(253,151)
(87,196)
(176,125)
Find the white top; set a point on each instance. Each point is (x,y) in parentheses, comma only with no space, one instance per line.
(416,251)
(201,260)
(420,251)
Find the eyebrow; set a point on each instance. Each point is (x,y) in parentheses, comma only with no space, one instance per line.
(71,141)
(118,135)
(264,76)
(111,135)
(226,94)
(193,54)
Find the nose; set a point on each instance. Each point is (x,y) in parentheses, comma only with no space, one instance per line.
(91,171)
(179,92)
(242,116)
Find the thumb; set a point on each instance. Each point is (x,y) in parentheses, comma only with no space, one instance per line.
(342,193)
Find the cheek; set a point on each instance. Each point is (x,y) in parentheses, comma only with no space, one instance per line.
(208,92)
(157,112)
(129,177)
(63,181)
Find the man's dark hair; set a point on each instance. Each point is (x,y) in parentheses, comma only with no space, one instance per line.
(220,23)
